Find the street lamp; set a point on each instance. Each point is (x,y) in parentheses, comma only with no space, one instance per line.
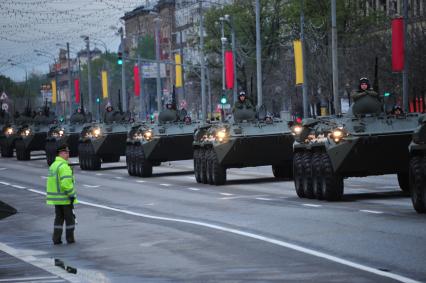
(157,22)
(223,39)
(89,73)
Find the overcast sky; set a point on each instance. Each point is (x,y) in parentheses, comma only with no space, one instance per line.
(43,24)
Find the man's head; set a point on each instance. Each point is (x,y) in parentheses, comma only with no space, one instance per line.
(364,84)
(63,151)
(242,96)
(169,106)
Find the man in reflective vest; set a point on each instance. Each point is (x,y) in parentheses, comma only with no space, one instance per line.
(61,193)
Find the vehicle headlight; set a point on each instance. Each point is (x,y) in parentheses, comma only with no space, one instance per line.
(61,133)
(337,135)
(26,132)
(147,135)
(221,135)
(96,132)
(8,131)
(296,130)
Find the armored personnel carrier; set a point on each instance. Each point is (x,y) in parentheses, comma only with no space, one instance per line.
(103,142)
(168,140)
(32,136)
(66,134)
(249,139)
(7,135)
(365,141)
(418,166)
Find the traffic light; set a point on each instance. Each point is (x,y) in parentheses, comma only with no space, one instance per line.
(120,58)
(98,100)
(223,100)
(387,94)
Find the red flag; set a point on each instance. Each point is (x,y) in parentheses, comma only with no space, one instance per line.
(411,107)
(136,80)
(229,69)
(398,45)
(77,90)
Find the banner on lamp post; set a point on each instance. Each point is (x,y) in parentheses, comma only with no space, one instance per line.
(178,70)
(104,84)
(398,51)
(53,83)
(229,69)
(136,79)
(77,90)
(298,61)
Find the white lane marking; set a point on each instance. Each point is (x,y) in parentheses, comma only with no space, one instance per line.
(193,189)
(267,199)
(18,187)
(190,177)
(245,196)
(5,183)
(257,237)
(165,185)
(140,181)
(28,278)
(1,169)
(226,194)
(150,204)
(99,174)
(312,205)
(91,186)
(43,177)
(371,211)
(118,178)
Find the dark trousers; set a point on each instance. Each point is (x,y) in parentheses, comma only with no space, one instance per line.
(63,213)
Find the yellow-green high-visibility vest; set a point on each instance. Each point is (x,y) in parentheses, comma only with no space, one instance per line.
(60,183)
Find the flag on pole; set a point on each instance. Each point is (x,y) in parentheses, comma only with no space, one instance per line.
(229,69)
(178,61)
(77,90)
(104,84)
(53,83)
(298,60)
(398,45)
(137,81)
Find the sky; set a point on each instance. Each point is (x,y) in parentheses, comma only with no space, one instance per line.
(28,25)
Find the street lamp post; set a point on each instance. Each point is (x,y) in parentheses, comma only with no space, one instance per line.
(157,57)
(258,55)
(123,71)
(202,63)
(89,72)
(223,40)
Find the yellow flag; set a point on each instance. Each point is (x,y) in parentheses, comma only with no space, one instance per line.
(53,91)
(104,84)
(178,61)
(298,60)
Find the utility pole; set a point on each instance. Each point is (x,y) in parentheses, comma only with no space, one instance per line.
(89,59)
(405,72)
(157,57)
(141,99)
(234,58)
(223,41)
(69,79)
(258,56)
(337,106)
(123,71)
(183,69)
(202,63)
(305,83)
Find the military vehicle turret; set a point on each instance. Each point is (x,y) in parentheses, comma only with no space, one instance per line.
(365,141)
(32,136)
(103,142)
(66,133)
(249,139)
(169,139)
(418,166)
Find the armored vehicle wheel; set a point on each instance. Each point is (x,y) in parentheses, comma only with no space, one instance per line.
(203,166)
(130,163)
(22,153)
(218,171)
(307,175)
(50,152)
(6,151)
(284,170)
(82,156)
(197,165)
(404,181)
(418,183)
(143,165)
(331,184)
(298,173)
(316,175)
(210,155)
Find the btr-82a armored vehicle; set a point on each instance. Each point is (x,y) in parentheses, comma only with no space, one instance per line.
(170,139)
(249,139)
(66,134)
(365,141)
(7,135)
(103,142)
(32,136)
(418,166)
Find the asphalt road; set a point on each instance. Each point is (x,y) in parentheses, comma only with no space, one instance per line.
(168,228)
